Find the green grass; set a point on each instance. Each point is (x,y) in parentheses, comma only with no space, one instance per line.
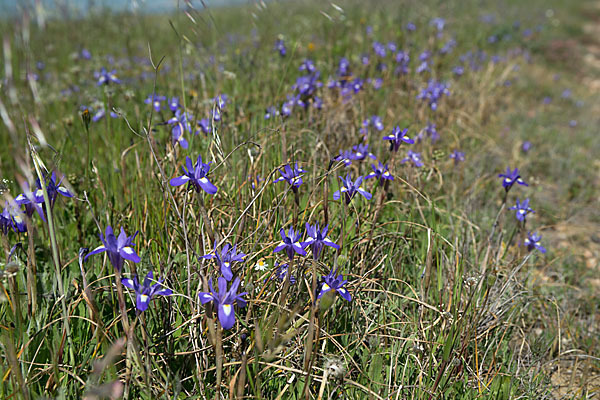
(445,304)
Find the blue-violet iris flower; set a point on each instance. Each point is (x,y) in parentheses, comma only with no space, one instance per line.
(532,241)
(146,291)
(225,258)
(333,283)
(510,177)
(522,209)
(195,176)
(397,137)
(349,189)
(224,300)
(118,248)
(290,243)
(317,239)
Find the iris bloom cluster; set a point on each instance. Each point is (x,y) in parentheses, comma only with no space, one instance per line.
(433,93)
(30,199)
(380,172)
(105,77)
(402,59)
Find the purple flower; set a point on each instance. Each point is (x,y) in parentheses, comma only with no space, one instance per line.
(13,217)
(532,241)
(156,101)
(424,66)
(5,221)
(281,271)
(280,47)
(448,47)
(343,67)
(438,23)
(526,146)
(433,93)
(377,83)
(224,300)
(271,112)
(377,123)
(146,291)
(290,243)
(204,125)
(104,77)
(414,158)
(364,59)
(379,49)
(510,177)
(180,123)
(195,176)
(402,59)
(397,137)
(293,176)
(174,104)
(380,172)
(102,113)
(85,54)
(345,156)
(411,27)
(118,248)
(522,209)
(221,101)
(29,202)
(53,189)
(333,283)
(361,151)
(308,66)
(317,239)
(307,85)
(457,156)
(349,189)
(225,257)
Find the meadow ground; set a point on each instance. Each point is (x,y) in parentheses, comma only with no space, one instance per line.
(387,121)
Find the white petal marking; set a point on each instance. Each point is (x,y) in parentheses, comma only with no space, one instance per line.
(227,309)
